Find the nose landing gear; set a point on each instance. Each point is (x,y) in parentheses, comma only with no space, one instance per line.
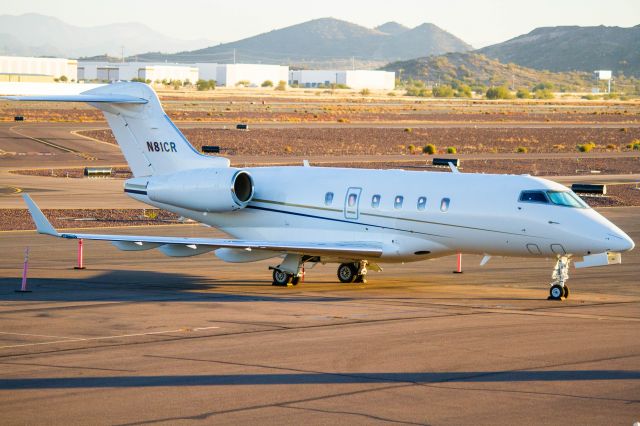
(559,289)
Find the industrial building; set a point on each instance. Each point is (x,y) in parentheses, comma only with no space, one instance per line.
(110,71)
(229,75)
(355,79)
(19,68)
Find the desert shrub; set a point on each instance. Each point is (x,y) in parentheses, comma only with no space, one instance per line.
(442,91)
(452,150)
(408,129)
(586,147)
(589,97)
(429,149)
(412,149)
(547,85)
(205,84)
(522,149)
(499,93)
(523,94)
(464,91)
(611,146)
(635,145)
(288,149)
(282,86)
(365,92)
(267,83)
(243,83)
(391,94)
(63,78)
(543,94)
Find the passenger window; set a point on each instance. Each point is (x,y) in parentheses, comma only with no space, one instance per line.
(352,200)
(444,204)
(533,197)
(328,198)
(422,203)
(375,201)
(397,203)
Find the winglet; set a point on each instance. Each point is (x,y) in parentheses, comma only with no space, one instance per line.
(42,224)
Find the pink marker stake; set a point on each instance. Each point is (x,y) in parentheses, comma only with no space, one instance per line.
(459,265)
(80,256)
(25,268)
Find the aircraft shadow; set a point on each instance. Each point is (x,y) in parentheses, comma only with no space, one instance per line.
(132,286)
(316,378)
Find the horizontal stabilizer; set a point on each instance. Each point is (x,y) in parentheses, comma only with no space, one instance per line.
(108,98)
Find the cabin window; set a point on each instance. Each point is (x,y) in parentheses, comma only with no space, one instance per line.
(444,204)
(422,203)
(533,197)
(375,201)
(351,201)
(397,202)
(328,198)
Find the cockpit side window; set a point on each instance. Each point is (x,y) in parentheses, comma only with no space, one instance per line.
(533,197)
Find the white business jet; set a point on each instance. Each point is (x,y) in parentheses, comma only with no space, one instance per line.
(354,217)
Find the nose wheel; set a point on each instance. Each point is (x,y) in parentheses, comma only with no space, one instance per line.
(559,289)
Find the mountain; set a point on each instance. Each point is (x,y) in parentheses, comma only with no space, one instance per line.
(392,28)
(38,35)
(476,69)
(573,48)
(326,42)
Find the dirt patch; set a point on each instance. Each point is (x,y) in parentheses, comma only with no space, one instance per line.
(385,141)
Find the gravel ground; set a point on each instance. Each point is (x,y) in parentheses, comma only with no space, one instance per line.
(19,219)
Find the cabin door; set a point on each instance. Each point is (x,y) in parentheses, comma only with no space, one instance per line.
(352,203)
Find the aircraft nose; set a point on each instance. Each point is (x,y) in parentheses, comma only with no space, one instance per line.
(620,242)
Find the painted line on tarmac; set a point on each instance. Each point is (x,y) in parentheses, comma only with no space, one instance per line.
(87,339)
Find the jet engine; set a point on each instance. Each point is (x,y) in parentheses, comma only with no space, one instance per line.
(215,190)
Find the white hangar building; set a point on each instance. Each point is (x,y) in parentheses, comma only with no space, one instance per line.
(229,75)
(54,67)
(355,79)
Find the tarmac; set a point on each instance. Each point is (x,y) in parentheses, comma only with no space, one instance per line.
(139,338)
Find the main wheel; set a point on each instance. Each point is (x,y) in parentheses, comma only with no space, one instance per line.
(566,291)
(556,292)
(281,278)
(347,273)
(295,280)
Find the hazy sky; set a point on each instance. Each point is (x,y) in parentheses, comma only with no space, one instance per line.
(477,22)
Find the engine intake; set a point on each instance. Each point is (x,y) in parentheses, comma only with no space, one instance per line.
(215,190)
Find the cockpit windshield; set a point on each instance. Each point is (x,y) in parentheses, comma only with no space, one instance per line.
(566,198)
(559,198)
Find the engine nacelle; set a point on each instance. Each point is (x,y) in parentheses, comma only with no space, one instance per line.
(218,190)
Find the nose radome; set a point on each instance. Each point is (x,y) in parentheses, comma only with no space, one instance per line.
(621,242)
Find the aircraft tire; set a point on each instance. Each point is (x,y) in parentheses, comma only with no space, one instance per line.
(347,273)
(556,292)
(295,280)
(281,278)
(566,291)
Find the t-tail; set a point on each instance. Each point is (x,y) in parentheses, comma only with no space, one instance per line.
(150,142)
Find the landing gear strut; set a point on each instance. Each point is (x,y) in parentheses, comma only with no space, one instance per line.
(560,275)
(353,272)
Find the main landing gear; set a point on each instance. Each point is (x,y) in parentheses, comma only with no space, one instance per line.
(353,272)
(291,270)
(559,289)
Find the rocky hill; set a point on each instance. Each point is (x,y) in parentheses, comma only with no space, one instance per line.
(573,48)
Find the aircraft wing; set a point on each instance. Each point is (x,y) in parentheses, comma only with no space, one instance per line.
(182,246)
